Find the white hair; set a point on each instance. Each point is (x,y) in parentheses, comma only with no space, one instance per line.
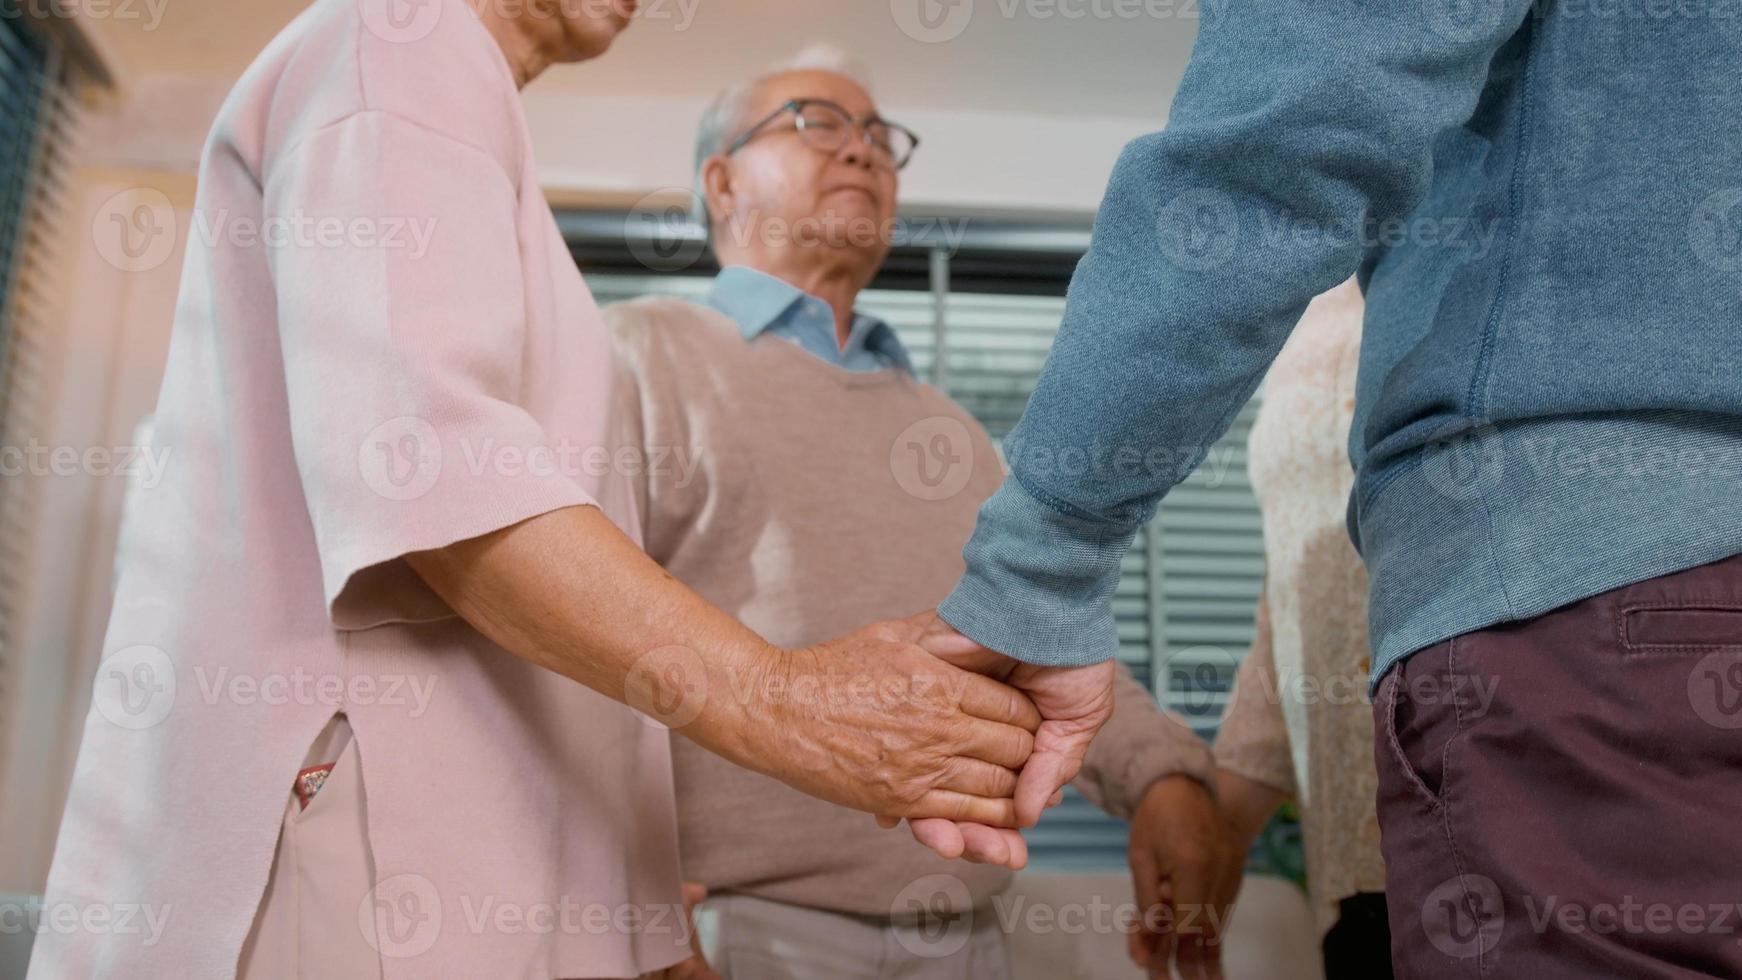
(725,116)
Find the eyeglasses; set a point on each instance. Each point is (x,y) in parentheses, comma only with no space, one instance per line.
(825,126)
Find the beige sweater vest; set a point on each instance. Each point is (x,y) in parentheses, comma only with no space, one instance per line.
(809,501)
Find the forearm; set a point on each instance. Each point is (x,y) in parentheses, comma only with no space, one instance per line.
(1295,126)
(1140,745)
(1247,803)
(571,593)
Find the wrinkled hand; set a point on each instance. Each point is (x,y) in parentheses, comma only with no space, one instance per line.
(1186,864)
(1074,702)
(874,722)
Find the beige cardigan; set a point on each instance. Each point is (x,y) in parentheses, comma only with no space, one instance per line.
(1299,719)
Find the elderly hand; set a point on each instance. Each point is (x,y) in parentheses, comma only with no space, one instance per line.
(874,722)
(1074,702)
(1186,864)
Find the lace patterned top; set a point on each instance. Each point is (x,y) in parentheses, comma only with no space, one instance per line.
(1299,718)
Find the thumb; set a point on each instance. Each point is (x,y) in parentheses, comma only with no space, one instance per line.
(1055,762)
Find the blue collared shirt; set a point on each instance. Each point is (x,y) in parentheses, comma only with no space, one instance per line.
(760,303)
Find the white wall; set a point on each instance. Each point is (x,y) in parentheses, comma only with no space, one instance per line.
(110,358)
(614,146)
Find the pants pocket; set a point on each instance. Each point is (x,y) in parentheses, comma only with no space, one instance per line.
(1420,700)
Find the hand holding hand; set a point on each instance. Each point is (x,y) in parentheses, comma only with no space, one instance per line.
(1074,702)
(874,722)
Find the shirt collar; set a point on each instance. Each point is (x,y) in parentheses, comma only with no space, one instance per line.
(757,301)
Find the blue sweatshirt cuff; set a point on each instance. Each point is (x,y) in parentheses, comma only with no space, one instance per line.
(1040,583)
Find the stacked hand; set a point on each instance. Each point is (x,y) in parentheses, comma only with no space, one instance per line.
(874,722)
(1074,702)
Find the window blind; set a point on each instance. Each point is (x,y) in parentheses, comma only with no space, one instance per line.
(38,120)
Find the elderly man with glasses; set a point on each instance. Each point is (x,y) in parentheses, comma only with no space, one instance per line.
(834,489)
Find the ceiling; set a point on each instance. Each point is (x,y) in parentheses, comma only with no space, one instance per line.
(1108,58)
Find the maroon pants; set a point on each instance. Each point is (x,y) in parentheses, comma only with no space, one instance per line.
(1562,797)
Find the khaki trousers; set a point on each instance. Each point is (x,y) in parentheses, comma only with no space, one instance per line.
(748,938)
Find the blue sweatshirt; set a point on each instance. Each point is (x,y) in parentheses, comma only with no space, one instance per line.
(1544,204)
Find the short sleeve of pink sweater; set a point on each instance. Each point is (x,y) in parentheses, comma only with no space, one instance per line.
(404,366)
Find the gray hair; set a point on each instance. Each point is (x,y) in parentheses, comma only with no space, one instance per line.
(725,116)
